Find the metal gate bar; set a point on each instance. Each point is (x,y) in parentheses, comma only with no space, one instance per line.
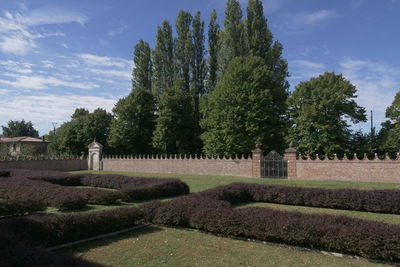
(273,165)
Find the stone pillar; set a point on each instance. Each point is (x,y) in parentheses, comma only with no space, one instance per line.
(291,157)
(257,154)
(95,156)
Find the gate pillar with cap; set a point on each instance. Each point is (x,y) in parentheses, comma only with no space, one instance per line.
(95,156)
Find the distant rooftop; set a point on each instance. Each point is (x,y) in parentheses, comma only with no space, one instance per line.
(27,139)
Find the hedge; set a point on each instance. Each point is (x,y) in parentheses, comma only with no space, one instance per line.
(382,201)
(4,173)
(204,211)
(12,207)
(15,251)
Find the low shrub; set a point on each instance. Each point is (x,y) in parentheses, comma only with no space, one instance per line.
(5,174)
(60,229)
(54,177)
(12,207)
(209,211)
(15,251)
(100,197)
(383,201)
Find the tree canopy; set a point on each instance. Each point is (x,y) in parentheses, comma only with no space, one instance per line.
(19,128)
(319,111)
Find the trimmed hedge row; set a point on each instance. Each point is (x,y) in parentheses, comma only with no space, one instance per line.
(15,251)
(60,229)
(382,201)
(12,207)
(4,173)
(63,198)
(51,187)
(203,211)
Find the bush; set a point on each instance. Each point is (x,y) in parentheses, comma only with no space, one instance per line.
(15,251)
(210,211)
(12,207)
(4,173)
(383,201)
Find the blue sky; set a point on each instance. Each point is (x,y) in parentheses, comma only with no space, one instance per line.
(58,55)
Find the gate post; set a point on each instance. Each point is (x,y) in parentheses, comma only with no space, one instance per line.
(256,155)
(95,156)
(291,157)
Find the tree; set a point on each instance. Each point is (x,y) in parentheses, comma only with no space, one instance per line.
(19,128)
(389,135)
(234,33)
(319,110)
(163,60)
(173,133)
(259,37)
(183,48)
(133,123)
(142,70)
(213,49)
(74,136)
(237,114)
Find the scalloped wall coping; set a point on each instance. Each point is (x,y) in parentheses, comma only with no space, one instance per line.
(354,158)
(172,157)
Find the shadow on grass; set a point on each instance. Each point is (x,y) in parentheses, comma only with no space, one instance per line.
(84,247)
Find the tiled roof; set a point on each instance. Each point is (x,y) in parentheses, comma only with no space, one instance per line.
(21,139)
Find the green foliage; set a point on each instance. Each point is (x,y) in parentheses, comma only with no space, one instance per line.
(74,136)
(133,124)
(239,112)
(258,35)
(142,71)
(319,110)
(163,60)
(173,133)
(389,134)
(213,49)
(183,48)
(19,128)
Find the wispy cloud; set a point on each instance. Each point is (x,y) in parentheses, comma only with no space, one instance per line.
(19,30)
(302,70)
(300,22)
(376,82)
(46,108)
(95,60)
(117,31)
(40,83)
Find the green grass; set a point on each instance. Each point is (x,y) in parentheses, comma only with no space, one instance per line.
(386,218)
(160,246)
(202,182)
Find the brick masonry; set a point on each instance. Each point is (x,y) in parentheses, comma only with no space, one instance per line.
(46,164)
(365,170)
(206,166)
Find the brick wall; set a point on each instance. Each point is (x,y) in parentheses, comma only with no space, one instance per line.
(46,164)
(206,166)
(365,170)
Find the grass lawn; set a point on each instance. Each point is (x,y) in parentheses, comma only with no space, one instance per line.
(160,246)
(202,182)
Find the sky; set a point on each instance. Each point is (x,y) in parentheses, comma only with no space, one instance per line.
(59,55)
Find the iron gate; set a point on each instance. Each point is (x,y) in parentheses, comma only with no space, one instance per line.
(274,165)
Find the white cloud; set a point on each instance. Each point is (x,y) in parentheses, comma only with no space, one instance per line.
(40,83)
(18,32)
(46,108)
(376,82)
(316,17)
(113,73)
(305,69)
(117,31)
(94,60)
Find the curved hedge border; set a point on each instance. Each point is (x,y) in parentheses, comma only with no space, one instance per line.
(12,207)
(55,188)
(382,201)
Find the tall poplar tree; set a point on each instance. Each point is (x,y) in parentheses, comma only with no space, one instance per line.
(234,33)
(142,70)
(183,48)
(163,60)
(213,49)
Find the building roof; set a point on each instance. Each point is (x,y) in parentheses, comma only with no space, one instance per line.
(27,139)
